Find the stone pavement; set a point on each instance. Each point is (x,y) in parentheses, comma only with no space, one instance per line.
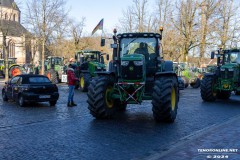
(220,141)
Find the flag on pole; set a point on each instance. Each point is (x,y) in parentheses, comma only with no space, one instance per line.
(99,26)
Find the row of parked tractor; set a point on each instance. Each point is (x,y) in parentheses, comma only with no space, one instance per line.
(137,72)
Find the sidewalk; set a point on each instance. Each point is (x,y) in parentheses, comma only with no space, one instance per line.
(214,142)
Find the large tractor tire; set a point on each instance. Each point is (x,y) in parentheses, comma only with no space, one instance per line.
(195,83)
(84,81)
(207,91)
(223,94)
(15,70)
(186,81)
(165,99)
(100,103)
(53,76)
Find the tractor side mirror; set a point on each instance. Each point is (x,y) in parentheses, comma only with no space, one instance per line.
(107,57)
(212,55)
(102,42)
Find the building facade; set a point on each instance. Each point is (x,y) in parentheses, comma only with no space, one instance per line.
(18,39)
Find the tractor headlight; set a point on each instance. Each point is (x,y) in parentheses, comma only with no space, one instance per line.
(124,63)
(138,63)
(222,69)
(230,69)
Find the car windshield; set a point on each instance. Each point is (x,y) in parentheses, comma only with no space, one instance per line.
(38,80)
(137,45)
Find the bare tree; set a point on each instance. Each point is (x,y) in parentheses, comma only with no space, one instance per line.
(43,17)
(186,24)
(207,10)
(76,31)
(136,18)
(224,23)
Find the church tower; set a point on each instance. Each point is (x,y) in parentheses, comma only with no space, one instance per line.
(16,34)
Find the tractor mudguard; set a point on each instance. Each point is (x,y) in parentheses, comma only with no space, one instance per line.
(170,73)
(209,74)
(104,73)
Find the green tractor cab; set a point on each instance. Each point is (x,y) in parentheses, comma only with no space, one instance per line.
(58,65)
(136,73)
(224,78)
(88,62)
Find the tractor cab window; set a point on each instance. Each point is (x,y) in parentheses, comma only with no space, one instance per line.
(235,57)
(145,46)
(57,61)
(90,57)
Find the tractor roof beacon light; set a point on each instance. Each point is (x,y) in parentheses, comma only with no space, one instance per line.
(161,30)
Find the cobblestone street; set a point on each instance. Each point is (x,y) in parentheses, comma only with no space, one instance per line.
(39,131)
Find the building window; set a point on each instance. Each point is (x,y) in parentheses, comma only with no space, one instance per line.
(14,17)
(11,49)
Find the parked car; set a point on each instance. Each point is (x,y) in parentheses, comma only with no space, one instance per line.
(30,88)
(181,84)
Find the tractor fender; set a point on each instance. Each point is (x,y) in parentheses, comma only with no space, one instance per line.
(209,75)
(168,73)
(104,73)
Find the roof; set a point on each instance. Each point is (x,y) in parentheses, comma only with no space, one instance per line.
(9,4)
(138,34)
(13,28)
(88,51)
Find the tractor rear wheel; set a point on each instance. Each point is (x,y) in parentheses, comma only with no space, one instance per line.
(196,83)
(84,81)
(52,75)
(100,102)
(207,89)
(165,98)
(223,94)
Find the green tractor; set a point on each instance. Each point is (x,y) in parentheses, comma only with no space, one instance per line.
(88,61)
(58,65)
(14,69)
(137,72)
(225,77)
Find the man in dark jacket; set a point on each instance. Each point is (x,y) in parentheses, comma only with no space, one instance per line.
(71,84)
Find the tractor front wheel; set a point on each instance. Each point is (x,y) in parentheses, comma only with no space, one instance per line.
(196,83)
(52,75)
(100,102)
(165,99)
(84,81)
(207,89)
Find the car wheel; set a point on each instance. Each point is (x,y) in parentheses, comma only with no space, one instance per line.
(4,96)
(52,103)
(21,101)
